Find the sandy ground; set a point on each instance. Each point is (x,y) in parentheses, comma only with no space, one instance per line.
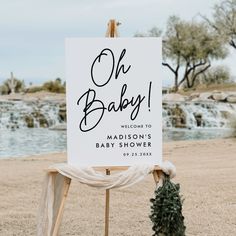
(206,171)
(38,96)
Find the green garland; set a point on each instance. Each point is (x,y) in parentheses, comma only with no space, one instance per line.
(166,210)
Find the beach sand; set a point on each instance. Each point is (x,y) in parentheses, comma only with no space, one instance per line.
(206,171)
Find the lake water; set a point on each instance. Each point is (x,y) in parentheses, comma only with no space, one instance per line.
(27,142)
(197,134)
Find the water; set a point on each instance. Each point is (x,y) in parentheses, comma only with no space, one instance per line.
(181,121)
(24,127)
(34,114)
(196,134)
(27,142)
(192,115)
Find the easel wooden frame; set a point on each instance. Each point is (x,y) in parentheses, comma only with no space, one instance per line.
(111,32)
(66,185)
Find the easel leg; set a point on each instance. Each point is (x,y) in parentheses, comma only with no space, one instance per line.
(66,186)
(107,208)
(111,33)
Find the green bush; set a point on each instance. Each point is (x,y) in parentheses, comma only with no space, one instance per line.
(20,86)
(54,86)
(4,89)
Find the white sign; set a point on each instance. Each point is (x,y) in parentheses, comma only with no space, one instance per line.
(114,115)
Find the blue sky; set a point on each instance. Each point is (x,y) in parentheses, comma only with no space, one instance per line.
(33,32)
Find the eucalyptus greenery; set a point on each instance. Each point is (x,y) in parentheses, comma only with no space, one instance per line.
(166,210)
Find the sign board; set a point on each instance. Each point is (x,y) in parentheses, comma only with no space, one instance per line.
(114,115)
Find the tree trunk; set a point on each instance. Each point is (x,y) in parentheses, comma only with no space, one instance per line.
(176,86)
(176,83)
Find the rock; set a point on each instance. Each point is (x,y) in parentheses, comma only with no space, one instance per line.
(58,127)
(197,100)
(204,96)
(62,112)
(43,123)
(29,121)
(231,98)
(194,96)
(219,96)
(178,117)
(198,118)
(173,97)
(226,114)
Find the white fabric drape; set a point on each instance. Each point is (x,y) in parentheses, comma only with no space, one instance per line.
(54,187)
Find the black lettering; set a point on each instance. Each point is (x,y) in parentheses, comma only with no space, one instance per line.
(91,105)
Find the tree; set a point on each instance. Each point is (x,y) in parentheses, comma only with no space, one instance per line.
(224,21)
(58,80)
(190,47)
(217,75)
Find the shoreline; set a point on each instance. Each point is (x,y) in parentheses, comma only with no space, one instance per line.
(205,171)
(165,142)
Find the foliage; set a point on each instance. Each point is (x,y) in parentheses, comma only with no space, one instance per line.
(5,89)
(153,32)
(20,86)
(224,21)
(54,86)
(34,89)
(217,75)
(191,46)
(166,210)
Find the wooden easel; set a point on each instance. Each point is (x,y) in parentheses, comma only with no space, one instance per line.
(111,32)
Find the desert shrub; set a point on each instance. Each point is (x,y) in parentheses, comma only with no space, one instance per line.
(54,86)
(34,89)
(217,75)
(4,90)
(20,86)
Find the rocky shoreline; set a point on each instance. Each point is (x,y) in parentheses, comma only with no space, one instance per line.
(214,96)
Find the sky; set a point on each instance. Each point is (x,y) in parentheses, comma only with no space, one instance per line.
(32,33)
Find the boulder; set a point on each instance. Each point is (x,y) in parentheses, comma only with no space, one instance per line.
(58,127)
(62,112)
(197,100)
(198,118)
(219,96)
(194,96)
(204,96)
(173,97)
(231,99)
(29,121)
(178,117)
(42,120)
(226,114)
